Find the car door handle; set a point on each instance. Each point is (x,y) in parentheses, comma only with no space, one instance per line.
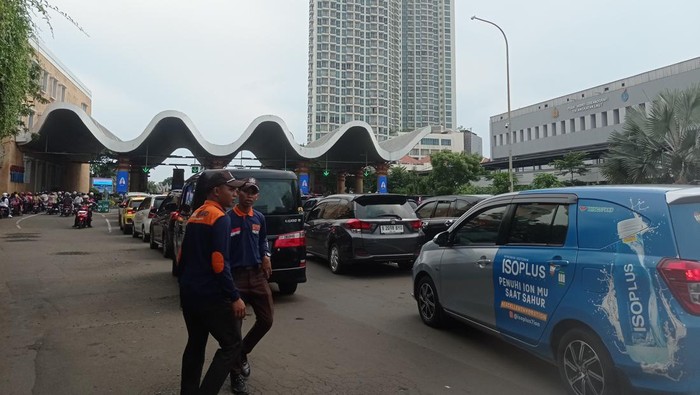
(558,262)
(483,262)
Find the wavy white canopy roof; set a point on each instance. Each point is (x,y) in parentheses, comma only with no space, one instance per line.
(67,131)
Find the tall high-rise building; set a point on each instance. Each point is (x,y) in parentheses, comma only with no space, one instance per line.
(389,63)
(428,64)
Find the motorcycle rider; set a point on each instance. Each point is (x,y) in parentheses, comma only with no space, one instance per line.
(5,206)
(67,203)
(87,204)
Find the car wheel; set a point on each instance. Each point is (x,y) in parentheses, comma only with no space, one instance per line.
(174,270)
(334,261)
(152,243)
(585,365)
(144,235)
(287,288)
(428,301)
(407,265)
(126,230)
(134,234)
(121,226)
(164,246)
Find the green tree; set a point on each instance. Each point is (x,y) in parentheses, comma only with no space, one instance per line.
(404,181)
(661,146)
(104,165)
(545,180)
(500,182)
(19,70)
(452,170)
(572,163)
(167,183)
(469,189)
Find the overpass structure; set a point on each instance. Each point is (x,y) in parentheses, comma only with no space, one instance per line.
(66,134)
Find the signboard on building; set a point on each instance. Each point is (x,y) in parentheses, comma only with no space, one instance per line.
(122,181)
(304,183)
(382,185)
(104,185)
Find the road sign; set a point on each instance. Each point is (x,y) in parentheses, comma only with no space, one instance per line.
(326,173)
(195,169)
(304,182)
(146,170)
(122,181)
(382,184)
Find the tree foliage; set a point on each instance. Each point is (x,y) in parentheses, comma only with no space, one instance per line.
(103,165)
(500,183)
(572,163)
(19,70)
(545,180)
(661,146)
(452,170)
(406,182)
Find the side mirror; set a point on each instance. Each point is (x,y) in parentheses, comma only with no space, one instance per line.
(442,239)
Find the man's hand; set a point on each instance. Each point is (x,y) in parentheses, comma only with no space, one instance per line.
(238,308)
(266,266)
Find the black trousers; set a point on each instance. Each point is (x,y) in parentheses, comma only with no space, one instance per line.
(218,321)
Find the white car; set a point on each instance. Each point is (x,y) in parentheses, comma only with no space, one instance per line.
(144,213)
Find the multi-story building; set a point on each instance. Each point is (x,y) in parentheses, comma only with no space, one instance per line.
(428,64)
(373,60)
(579,122)
(19,172)
(447,140)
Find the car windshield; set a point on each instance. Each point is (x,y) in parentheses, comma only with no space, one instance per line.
(383,210)
(686,226)
(277,197)
(133,203)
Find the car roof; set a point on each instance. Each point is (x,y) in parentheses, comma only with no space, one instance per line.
(451,197)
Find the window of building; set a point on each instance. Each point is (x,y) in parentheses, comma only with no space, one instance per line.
(562,127)
(616,116)
(529,134)
(572,125)
(582,123)
(44,81)
(554,128)
(522,138)
(593,122)
(447,142)
(604,119)
(545,132)
(537,132)
(84,107)
(54,88)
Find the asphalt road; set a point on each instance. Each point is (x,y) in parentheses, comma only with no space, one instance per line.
(93,311)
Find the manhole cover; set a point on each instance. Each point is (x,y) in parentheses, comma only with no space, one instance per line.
(72,253)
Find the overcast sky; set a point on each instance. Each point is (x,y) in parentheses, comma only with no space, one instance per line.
(226,62)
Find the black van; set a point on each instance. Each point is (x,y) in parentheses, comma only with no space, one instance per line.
(280,202)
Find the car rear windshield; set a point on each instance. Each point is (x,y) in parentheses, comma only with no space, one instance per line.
(686,227)
(383,208)
(278,197)
(133,203)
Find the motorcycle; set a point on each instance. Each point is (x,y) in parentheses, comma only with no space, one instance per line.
(36,208)
(52,208)
(82,216)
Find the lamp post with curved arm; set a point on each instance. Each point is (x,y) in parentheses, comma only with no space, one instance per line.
(508,127)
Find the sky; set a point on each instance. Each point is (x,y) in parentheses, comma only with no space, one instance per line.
(226,62)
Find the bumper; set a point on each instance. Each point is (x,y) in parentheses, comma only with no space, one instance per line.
(288,275)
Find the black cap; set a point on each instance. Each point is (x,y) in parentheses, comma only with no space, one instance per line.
(250,184)
(222,177)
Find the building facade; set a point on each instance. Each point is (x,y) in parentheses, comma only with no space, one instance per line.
(374,60)
(20,172)
(447,140)
(580,121)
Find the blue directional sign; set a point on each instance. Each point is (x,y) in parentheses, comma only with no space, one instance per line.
(122,181)
(382,184)
(304,183)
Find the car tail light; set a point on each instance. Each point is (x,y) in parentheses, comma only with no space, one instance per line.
(288,240)
(174,215)
(356,224)
(129,210)
(151,215)
(416,224)
(683,279)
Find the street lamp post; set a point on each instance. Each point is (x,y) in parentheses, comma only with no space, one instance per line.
(511,136)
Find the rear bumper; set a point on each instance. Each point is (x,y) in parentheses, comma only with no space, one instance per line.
(382,258)
(288,275)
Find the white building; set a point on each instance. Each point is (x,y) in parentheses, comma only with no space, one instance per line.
(579,122)
(444,139)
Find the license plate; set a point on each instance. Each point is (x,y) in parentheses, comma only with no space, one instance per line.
(391,229)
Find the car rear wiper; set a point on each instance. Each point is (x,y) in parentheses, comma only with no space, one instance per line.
(389,215)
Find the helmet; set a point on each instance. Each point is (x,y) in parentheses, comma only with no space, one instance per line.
(92,194)
(4,194)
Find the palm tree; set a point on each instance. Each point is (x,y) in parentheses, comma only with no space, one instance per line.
(662,146)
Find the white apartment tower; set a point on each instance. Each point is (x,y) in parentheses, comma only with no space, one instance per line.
(389,63)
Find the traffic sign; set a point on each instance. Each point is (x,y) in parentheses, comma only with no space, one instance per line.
(195,169)
(326,173)
(146,170)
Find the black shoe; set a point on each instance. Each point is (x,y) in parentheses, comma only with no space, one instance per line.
(245,366)
(238,385)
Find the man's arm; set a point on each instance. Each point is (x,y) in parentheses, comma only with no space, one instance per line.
(220,260)
(264,246)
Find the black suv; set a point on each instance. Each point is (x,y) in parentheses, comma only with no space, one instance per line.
(439,212)
(352,229)
(162,225)
(280,202)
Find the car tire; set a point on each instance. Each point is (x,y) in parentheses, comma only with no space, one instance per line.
(429,307)
(166,249)
(134,234)
(334,261)
(174,268)
(151,242)
(406,265)
(144,235)
(585,366)
(287,288)
(126,230)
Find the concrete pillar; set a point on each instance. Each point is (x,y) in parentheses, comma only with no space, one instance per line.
(382,170)
(359,180)
(340,185)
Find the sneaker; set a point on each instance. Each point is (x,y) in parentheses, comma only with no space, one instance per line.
(245,366)
(238,385)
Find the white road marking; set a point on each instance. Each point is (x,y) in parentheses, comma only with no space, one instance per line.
(22,219)
(109,226)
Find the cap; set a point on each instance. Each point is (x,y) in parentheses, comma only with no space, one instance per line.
(250,185)
(222,177)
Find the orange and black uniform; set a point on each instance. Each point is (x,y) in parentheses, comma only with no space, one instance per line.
(206,293)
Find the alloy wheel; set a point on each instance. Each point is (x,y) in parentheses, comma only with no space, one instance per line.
(426,301)
(583,369)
